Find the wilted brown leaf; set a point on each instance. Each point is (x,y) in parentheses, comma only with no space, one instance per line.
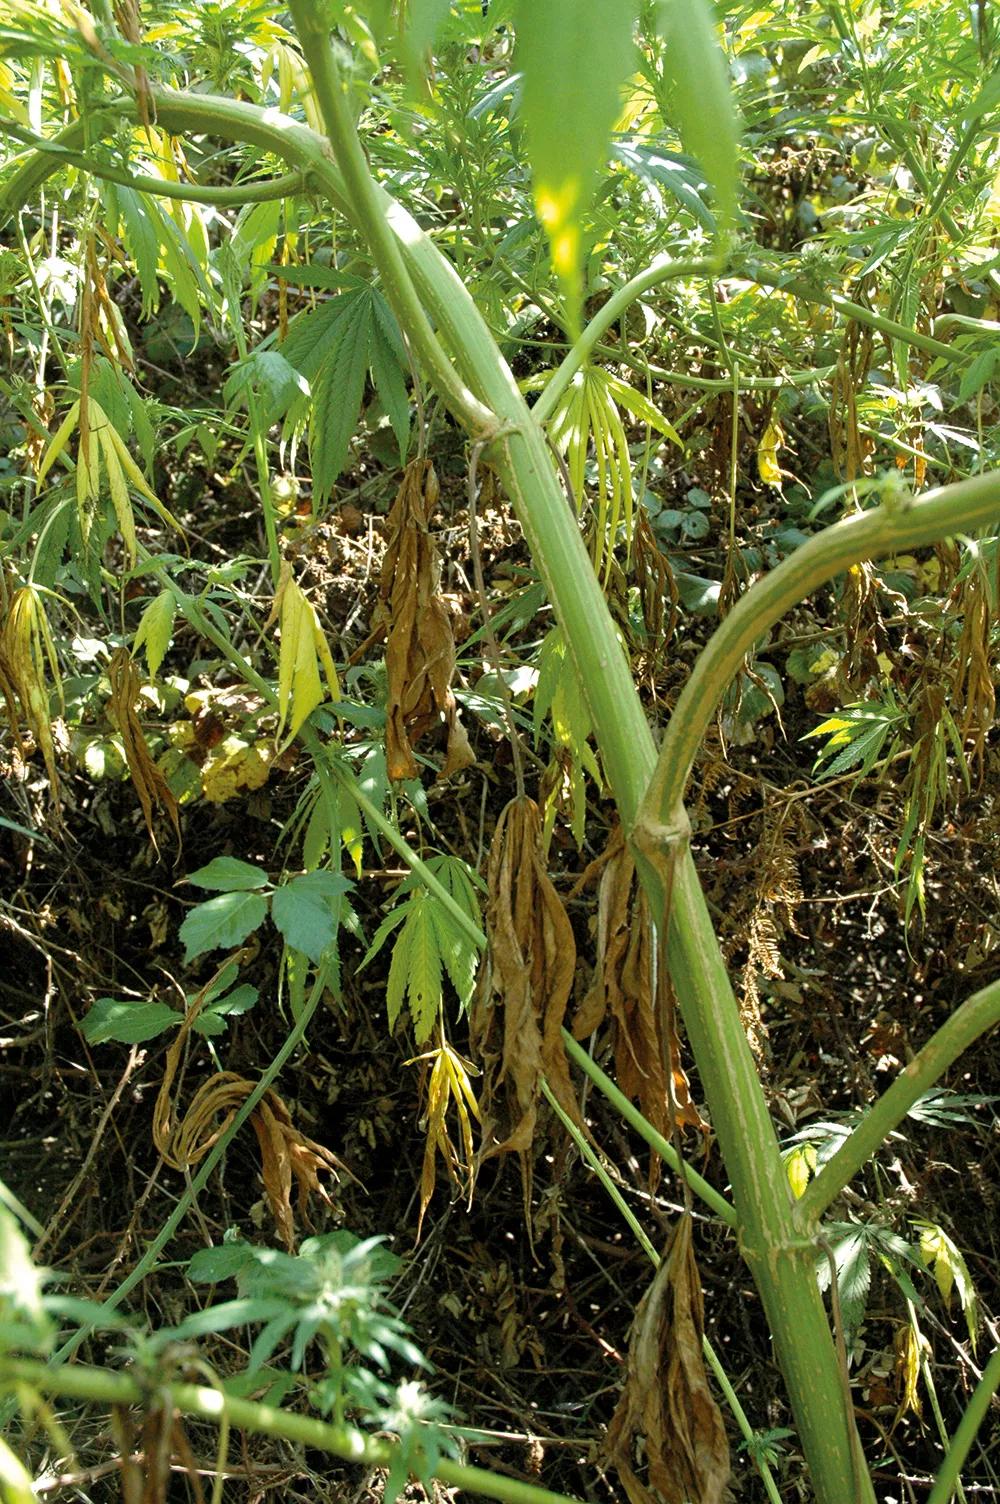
(643,1029)
(420,647)
(518,1015)
(288,1157)
(667,1402)
(150,784)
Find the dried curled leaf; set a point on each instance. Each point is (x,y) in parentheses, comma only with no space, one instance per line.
(644,1033)
(667,1401)
(420,647)
(150,784)
(517,1019)
(288,1157)
(26,651)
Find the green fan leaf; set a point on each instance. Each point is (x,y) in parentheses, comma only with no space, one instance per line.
(155,630)
(337,393)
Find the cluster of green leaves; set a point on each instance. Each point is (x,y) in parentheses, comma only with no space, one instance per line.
(430,945)
(331,1296)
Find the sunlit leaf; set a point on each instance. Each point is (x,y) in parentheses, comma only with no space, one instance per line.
(576,55)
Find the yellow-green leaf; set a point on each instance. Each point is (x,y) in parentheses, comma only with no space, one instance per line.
(575,55)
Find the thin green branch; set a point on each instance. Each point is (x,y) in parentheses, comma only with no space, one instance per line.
(965,1433)
(617,304)
(895,526)
(101,1386)
(767,276)
(235,195)
(712,1198)
(967,1024)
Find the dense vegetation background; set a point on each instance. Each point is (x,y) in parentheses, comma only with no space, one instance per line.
(235,515)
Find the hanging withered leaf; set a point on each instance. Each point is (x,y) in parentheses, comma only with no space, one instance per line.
(288,1157)
(420,647)
(643,1024)
(667,1403)
(26,652)
(150,784)
(303,648)
(517,1018)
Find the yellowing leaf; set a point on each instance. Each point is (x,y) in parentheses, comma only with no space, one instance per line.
(26,648)
(799,1165)
(234,767)
(119,491)
(767,454)
(303,648)
(448,1084)
(154,629)
(59,441)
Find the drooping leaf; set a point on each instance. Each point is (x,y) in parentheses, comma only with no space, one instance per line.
(576,55)
(702,98)
(391,387)
(667,1406)
(423,983)
(303,648)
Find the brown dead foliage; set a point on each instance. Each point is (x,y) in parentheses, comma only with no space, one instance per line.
(518,1015)
(288,1157)
(420,647)
(643,1029)
(667,1402)
(150,784)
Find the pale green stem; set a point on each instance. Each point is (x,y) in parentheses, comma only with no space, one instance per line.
(975,1016)
(894,527)
(712,1198)
(235,195)
(104,1387)
(947,1480)
(638,1232)
(612,310)
(766,276)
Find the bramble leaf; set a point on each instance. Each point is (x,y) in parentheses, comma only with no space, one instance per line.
(222,923)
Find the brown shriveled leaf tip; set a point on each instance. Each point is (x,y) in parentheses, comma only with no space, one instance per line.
(288,1158)
(667,1402)
(643,1027)
(150,784)
(518,1015)
(420,646)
